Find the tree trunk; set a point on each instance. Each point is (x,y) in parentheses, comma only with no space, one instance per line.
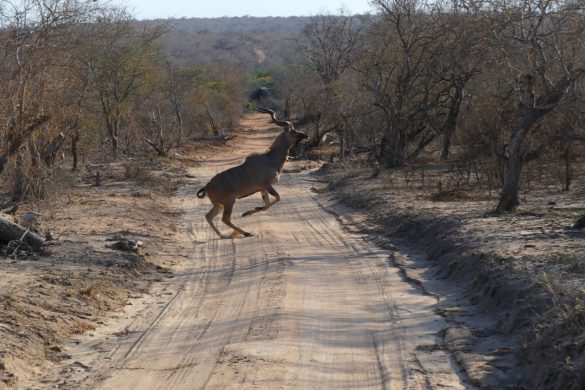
(113,126)
(390,153)
(52,150)
(341,133)
(567,174)
(392,148)
(342,136)
(509,198)
(445,149)
(3,161)
(287,105)
(451,121)
(399,157)
(115,146)
(180,126)
(422,145)
(74,141)
(316,140)
(18,186)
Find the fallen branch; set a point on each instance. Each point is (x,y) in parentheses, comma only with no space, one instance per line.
(160,148)
(10,231)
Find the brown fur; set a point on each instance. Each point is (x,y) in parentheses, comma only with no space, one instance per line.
(256,174)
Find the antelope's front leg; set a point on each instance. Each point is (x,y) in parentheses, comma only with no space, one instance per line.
(257,209)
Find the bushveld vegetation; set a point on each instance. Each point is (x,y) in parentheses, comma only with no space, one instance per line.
(488,86)
(85,81)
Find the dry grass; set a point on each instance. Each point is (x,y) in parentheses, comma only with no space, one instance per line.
(570,261)
(80,327)
(93,291)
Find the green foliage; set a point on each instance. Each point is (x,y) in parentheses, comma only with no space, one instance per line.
(250,106)
(218,86)
(261,78)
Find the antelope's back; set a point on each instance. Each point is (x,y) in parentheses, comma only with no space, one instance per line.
(254,175)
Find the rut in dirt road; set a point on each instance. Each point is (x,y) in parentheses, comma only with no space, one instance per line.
(303,304)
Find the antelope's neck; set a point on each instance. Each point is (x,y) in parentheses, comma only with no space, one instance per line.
(277,158)
(278,153)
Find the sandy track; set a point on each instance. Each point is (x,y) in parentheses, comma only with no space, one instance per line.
(302,304)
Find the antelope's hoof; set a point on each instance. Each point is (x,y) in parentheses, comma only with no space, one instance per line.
(246,213)
(248,234)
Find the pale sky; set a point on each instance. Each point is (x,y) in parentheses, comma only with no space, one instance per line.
(152,9)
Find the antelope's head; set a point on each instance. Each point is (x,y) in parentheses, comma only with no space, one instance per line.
(295,136)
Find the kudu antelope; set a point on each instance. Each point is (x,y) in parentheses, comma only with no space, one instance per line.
(256,174)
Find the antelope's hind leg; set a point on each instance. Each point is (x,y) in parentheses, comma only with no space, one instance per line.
(259,208)
(212,214)
(227,219)
(273,192)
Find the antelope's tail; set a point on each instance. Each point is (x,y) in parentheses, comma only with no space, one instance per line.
(201,193)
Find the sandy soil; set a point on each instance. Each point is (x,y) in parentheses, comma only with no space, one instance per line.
(305,303)
(523,320)
(78,279)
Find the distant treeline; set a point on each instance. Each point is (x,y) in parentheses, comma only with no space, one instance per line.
(243,24)
(247,42)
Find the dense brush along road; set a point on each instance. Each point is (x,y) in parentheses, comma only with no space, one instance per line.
(302,304)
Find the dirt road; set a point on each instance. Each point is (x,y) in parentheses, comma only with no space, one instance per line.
(302,304)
